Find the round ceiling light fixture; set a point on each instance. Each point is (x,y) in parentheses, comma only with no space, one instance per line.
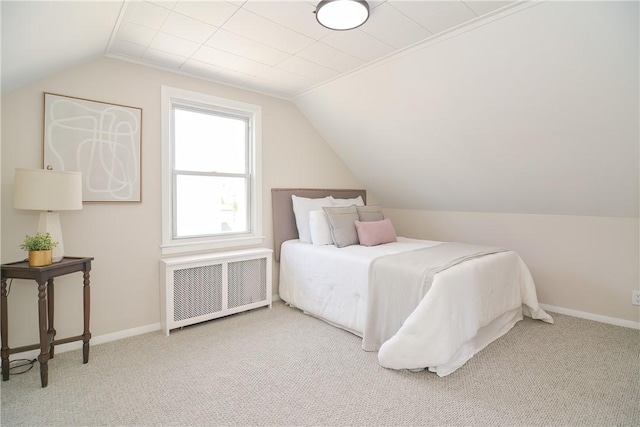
(342,14)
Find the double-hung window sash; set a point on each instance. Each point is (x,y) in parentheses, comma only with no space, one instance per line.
(211,173)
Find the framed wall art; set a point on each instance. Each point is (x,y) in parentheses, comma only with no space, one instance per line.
(99,139)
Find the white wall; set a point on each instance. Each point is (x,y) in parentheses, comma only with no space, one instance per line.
(521,131)
(579,263)
(125,238)
(536,111)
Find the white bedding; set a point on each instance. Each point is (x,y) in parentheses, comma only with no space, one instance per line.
(467,307)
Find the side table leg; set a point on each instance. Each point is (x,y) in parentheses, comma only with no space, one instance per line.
(51,333)
(86,335)
(5,331)
(43,358)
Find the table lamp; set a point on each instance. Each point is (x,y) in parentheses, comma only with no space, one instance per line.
(48,191)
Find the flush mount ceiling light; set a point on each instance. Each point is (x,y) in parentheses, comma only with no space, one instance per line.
(342,14)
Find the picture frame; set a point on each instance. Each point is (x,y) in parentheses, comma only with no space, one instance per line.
(99,139)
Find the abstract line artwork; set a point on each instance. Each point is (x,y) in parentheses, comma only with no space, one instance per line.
(98,139)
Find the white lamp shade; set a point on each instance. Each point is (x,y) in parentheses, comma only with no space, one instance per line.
(342,14)
(46,190)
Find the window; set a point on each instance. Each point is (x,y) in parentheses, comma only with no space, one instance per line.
(211,172)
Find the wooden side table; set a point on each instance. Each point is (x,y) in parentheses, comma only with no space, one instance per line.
(44,277)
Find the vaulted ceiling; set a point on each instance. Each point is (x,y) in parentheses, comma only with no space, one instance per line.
(277,46)
(272,46)
(484,106)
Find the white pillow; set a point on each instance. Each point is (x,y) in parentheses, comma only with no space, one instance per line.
(320,230)
(301,208)
(347,202)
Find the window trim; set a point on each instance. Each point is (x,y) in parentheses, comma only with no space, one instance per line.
(171,96)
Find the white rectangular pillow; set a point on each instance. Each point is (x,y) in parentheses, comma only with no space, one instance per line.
(319,227)
(301,208)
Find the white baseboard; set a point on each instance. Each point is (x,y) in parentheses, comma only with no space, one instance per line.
(590,316)
(33,354)
(101,339)
(62,348)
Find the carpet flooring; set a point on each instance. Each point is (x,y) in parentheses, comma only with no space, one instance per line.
(281,367)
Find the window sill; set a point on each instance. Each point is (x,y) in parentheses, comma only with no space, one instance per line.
(186,247)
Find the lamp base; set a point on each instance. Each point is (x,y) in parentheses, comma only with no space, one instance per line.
(50,223)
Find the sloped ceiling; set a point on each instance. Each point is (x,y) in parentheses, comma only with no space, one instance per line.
(531,109)
(272,46)
(277,46)
(534,112)
(41,38)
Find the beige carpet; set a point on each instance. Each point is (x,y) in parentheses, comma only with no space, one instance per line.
(281,367)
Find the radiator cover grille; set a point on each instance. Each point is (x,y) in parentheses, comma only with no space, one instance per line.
(247,282)
(197,291)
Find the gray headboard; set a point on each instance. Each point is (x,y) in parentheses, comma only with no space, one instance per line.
(284,221)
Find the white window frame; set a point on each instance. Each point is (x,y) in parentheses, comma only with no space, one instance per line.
(171,245)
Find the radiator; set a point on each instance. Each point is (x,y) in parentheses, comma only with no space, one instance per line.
(198,288)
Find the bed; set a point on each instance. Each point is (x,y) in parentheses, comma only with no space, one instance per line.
(407,299)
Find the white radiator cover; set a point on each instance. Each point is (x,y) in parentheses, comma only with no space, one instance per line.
(197,288)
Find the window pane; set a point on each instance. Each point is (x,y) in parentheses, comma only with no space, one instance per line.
(208,205)
(209,143)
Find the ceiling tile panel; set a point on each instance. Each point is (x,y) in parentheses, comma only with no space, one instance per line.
(174,45)
(187,28)
(330,57)
(163,58)
(193,66)
(230,42)
(167,4)
(268,86)
(435,16)
(213,13)
(266,55)
(285,87)
(236,3)
(125,48)
(242,46)
(406,36)
(281,76)
(213,56)
(373,4)
(307,69)
(393,27)
(247,66)
(135,33)
(481,7)
(260,29)
(146,14)
(358,44)
(296,15)
(233,76)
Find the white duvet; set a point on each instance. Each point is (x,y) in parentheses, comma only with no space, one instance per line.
(467,307)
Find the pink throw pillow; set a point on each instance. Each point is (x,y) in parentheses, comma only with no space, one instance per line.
(373,233)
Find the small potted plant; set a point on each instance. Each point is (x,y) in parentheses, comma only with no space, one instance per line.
(40,249)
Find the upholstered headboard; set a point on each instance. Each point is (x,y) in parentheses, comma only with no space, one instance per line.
(284,221)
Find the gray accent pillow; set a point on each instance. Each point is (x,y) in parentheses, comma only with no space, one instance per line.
(342,221)
(370,213)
